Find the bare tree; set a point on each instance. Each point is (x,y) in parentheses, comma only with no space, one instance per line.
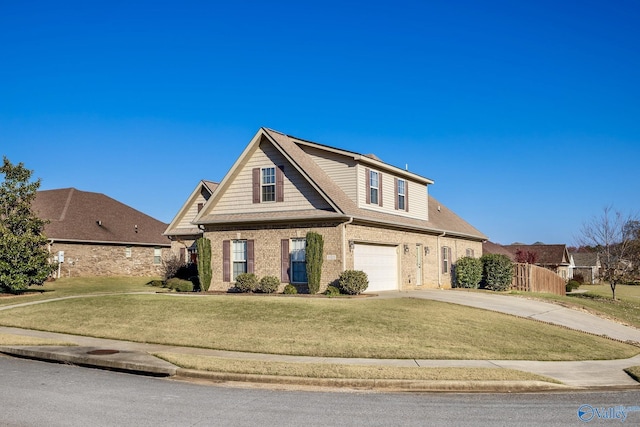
(616,237)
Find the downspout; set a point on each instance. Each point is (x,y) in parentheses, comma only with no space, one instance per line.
(345,243)
(440,258)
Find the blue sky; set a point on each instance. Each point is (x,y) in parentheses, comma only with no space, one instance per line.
(525,114)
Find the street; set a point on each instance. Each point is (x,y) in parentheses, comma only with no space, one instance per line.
(37,393)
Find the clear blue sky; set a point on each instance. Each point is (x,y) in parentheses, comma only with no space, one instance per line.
(525,114)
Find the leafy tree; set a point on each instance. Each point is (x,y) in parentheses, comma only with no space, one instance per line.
(313,256)
(468,272)
(617,240)
(204,263)
(497,272)
(24,257)
(526,257)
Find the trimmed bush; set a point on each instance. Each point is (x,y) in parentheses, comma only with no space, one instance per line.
(353,282)
(572,284)
(290,289)
(313,256)
(332,291)
(246,282)
(156,283)
(179,285)
(268,284)
(468,272)
(497,272)
(204,263)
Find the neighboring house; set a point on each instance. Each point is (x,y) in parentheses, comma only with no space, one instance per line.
(553,257)
(181,231)
(587,264)
(94,235)
(373,217)
(489,247)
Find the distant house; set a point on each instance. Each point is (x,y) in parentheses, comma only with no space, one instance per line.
(373,217)
(94,235)
(553,257)
(588,265)
(489,247)
(181,231)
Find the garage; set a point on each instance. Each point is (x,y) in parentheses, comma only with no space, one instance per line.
(380,263)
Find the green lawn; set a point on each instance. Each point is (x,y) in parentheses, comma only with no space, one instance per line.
(359,327)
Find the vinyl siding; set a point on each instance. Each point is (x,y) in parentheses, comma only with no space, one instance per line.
(185,222)
(341,169)
(298,194)
(417,195)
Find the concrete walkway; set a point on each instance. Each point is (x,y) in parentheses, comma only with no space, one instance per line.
(136,357)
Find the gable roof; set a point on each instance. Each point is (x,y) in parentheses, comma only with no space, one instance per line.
(585,259)
(545,254)
(494,248)
(82,216)
(174,228)
(441,220)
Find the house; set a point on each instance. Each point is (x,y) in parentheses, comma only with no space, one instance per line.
(181,231)
(553,257)
(373,217)
(91,234)
(490,247)
(588,265)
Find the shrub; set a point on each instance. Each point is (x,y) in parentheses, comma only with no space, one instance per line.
(313,254)
(204,263)
(578,277)
(572,284)
(268,284)
(497,272)
(290,289)
(468,272)
(179,285)
(353,282)
(332,291)
(156,283)
(171,266)
(246,282)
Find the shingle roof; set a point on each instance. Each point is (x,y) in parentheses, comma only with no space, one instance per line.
(82,216)
(494,248)
(545,254)
(441,219)
(585,259)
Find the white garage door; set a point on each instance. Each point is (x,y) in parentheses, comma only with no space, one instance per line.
(381,265)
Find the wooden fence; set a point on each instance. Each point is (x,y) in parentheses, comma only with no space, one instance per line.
(531,278)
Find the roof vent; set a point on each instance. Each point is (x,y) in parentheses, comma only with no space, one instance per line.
(99,223)
(438,208)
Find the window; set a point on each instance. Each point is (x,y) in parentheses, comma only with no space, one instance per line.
(157,256)
(268,184)
(298,261)
(470,253)
(239,253)
(402,194)
(127,252)
(200,205)
(446,259)
(374,185)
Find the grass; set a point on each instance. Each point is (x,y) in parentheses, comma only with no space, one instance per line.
(65,287)
(317,370)
(401,328)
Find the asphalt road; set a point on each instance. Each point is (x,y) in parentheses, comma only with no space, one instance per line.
(38,394)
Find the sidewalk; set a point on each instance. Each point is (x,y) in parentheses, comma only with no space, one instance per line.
(581,375)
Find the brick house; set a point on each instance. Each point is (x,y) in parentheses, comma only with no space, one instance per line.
(373,217)
(181,231)
(552,257)
(95,235)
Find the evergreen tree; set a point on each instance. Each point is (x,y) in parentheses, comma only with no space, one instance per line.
(24,258)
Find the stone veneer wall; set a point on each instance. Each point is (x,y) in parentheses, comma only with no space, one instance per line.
(84,260)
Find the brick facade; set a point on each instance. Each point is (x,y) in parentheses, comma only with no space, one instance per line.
(85,260)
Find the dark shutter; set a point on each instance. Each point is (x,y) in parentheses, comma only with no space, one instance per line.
(380,188)
(200,205)
(284,261)
(255,181)
(367,185)
(250,257)
(226,261)
(280,184)
(395,190)
(406,195)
